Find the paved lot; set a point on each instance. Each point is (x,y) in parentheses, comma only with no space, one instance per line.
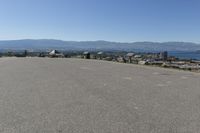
(40,95)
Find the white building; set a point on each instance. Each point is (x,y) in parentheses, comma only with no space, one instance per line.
(55,53)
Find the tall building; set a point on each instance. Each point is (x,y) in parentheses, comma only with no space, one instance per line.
(163,55)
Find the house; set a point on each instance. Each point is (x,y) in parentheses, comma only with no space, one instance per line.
(138,56)
(142,62)
(86,55)
(55,53)
(121,59)
(130,56)
(100,55)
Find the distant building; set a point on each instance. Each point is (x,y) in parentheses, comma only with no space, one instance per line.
(138,56)
(130,56)
(55,53)
(163,55)
(25,53)
(142,62)
(86,55)
(100,55)
(121,59)
(108,58)
(172,58)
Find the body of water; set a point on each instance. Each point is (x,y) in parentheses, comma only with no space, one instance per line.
(186,55)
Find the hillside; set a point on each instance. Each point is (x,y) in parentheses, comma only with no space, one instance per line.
(45,44)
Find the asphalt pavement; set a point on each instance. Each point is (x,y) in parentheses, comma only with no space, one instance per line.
(43,95)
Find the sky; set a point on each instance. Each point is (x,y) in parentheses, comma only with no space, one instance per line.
(111,20)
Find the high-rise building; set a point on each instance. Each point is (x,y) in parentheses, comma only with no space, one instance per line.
(164,55)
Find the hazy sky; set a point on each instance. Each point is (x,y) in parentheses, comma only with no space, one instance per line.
(112,20)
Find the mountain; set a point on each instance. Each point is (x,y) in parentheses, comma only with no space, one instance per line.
(46,44)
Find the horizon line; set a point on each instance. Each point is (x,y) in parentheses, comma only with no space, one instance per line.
(100,40)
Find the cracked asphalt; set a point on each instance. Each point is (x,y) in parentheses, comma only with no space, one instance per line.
(43,95)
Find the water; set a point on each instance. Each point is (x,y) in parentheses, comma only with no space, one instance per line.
(186,55)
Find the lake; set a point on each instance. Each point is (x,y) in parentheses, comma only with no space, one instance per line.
(185,55)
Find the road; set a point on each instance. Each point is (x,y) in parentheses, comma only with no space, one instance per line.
(43,95)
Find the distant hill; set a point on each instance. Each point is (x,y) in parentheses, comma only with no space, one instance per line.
(46,44)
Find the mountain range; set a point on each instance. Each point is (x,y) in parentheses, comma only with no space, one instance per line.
(47,44)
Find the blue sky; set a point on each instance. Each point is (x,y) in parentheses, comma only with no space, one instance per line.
(111,20)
